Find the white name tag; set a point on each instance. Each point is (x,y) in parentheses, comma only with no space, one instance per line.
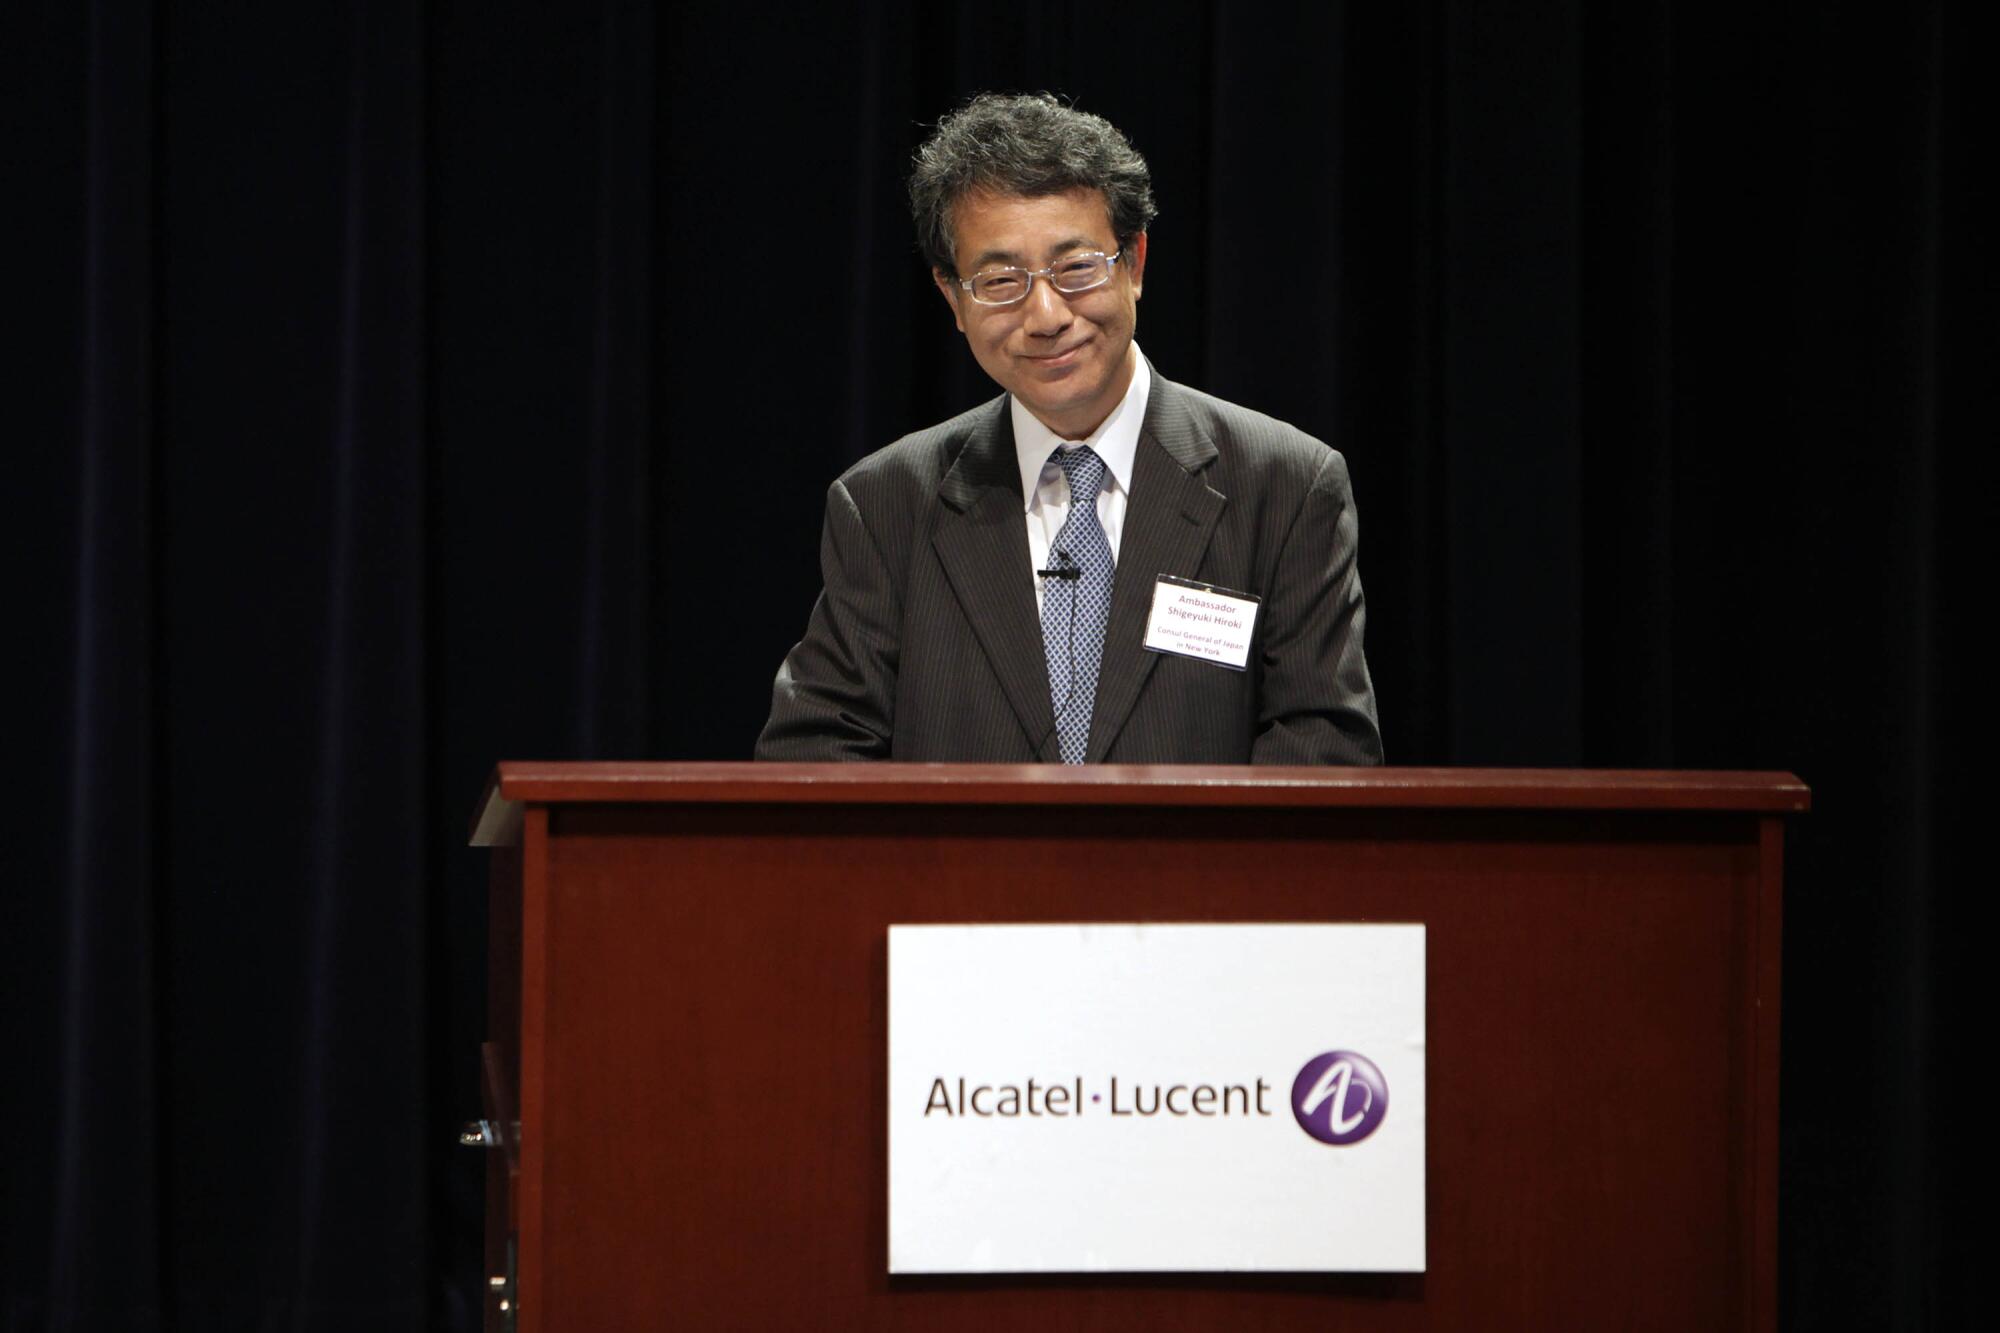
(1200,620)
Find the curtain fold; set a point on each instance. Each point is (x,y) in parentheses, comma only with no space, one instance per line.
(104,1144)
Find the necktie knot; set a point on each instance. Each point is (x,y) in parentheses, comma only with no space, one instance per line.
(1084,469)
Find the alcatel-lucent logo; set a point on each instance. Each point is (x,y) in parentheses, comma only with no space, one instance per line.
(1339,1098)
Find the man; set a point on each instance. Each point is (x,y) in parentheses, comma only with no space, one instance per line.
(1099,565)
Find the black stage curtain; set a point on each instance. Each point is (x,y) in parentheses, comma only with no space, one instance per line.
(399,388)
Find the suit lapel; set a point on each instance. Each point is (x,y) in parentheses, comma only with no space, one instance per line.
(982,541)
(1168,522)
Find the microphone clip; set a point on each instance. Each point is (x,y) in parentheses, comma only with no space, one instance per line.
(1068,569)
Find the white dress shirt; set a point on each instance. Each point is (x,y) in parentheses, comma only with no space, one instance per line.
(1046,488)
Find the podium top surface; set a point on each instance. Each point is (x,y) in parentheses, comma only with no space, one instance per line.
(515,785)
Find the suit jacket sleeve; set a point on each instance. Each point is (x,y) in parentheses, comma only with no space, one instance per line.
(1317,705)
(834,695)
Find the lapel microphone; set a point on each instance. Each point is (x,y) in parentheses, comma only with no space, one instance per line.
(1069,570)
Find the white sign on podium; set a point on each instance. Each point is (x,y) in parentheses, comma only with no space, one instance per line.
(1177,1098)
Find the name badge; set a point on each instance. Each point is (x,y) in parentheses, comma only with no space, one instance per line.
(1201,620)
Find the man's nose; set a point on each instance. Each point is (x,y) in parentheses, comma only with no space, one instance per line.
(1047,312)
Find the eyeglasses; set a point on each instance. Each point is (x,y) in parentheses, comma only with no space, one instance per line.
(1069,275)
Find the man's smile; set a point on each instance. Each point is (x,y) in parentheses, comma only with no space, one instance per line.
(1055,360)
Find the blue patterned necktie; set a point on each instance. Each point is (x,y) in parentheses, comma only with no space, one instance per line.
(1076,610)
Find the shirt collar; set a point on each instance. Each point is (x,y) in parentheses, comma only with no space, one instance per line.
(1116,440)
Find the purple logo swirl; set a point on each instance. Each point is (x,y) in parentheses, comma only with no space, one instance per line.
(1340,1097)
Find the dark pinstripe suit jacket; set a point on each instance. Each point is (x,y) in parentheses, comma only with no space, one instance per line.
(926,644)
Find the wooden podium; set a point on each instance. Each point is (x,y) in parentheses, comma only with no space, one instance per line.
(687,1071)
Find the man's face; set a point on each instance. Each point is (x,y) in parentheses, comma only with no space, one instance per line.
(1067,358)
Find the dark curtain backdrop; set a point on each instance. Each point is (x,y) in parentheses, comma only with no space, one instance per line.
(394,389)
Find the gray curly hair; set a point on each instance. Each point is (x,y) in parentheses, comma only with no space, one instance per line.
(1030,145)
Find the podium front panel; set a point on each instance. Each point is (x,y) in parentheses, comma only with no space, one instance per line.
(701,1056)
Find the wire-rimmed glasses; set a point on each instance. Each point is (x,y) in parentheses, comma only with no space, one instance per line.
(1070,275)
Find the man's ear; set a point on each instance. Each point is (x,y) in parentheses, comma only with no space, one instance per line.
(1135,263)
(949,289)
